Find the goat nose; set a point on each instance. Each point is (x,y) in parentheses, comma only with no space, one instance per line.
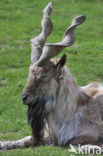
(24,96)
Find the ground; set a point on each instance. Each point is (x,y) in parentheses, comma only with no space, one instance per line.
(19,22)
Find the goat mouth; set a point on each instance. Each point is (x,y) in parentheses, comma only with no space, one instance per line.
(36,117)
(29,102)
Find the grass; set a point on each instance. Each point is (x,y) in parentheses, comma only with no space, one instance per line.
(19,22)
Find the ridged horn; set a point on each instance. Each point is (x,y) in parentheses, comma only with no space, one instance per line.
(52,49)
(38,42)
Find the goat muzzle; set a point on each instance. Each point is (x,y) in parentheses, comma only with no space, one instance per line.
(24,97)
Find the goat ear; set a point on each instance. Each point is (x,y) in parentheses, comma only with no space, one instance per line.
(61,62)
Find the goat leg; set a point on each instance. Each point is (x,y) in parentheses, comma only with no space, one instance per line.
(22,143)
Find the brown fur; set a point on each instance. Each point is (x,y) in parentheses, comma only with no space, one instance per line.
(93,89)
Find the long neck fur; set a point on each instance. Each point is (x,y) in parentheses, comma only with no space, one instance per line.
(64,121)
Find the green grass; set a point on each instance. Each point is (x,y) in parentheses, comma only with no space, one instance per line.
(19,22)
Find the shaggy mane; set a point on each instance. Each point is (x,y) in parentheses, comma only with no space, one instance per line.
(36,116)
